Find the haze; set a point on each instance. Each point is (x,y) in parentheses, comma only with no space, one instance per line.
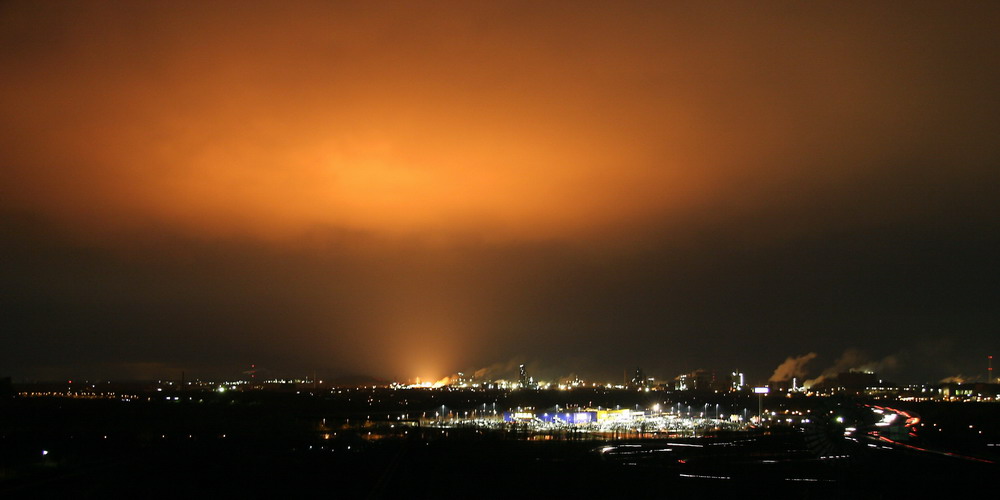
(405,190)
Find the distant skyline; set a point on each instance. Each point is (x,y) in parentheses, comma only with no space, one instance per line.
(410,190)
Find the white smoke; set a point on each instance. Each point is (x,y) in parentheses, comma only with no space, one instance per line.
(793,367)
(856,360)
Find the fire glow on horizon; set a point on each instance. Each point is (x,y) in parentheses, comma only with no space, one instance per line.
(398,191)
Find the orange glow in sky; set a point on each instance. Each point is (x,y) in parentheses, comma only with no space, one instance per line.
(409,186)
(475,123)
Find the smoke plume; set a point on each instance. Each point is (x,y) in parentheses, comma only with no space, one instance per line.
(856,360)
(508,368)
(792,367)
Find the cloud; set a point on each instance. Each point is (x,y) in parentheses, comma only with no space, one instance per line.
(342,186)
(251,122)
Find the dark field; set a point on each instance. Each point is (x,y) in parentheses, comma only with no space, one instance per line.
(279,445)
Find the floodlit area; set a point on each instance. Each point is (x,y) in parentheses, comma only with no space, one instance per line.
(595,421)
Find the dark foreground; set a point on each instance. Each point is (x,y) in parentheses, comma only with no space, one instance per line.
(98,449)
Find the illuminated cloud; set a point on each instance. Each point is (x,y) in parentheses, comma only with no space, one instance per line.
(535,122)
(407,190)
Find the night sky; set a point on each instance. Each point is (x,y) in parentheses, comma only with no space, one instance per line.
(414,189)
